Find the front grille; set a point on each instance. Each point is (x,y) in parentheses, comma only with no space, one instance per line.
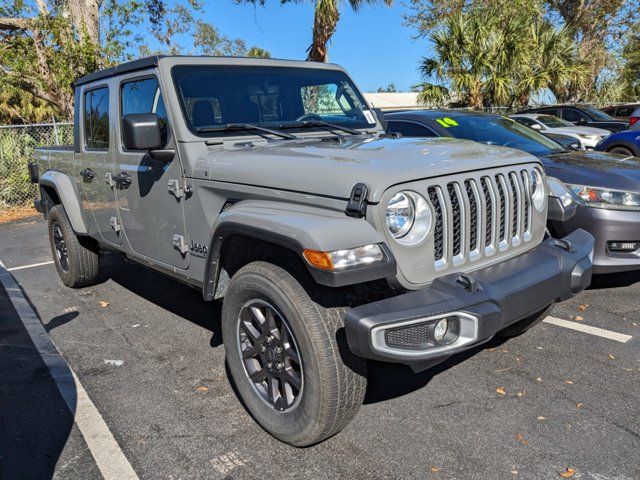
(413,337)
(479,216)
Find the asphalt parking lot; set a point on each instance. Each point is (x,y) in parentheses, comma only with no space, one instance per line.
(148,353)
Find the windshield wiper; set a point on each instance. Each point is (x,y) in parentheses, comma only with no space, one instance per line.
(320,123)
(246,126)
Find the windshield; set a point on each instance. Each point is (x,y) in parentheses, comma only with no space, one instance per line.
(597,114)
(494,130)
(552,121)
(212,97)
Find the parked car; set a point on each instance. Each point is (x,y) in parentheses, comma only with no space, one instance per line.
(606,186)
(623,113)
(587,136)
(570,143)
(340,243)
(583,115)
(624,143)
(634,120)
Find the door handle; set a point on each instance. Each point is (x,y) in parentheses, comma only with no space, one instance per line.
(87,174)
(123,180)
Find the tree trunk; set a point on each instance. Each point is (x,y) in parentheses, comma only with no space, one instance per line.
(85,18)
(324,26)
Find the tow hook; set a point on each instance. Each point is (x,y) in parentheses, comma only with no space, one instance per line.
(470,284)
(564,244)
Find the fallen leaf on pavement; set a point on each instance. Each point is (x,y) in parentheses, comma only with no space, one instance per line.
(514,472)
(542,418)
(583,307)
(569,472)
(539,379)
(612,357)
(568,382)
(500,391)
(104,304)
(202,388)
(579,405)
(522,439)
(435,469)
(520,394)
(578,318)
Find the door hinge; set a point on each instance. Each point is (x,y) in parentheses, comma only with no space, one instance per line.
(357,204)
(181,243)
(178,189)
(109,179)
(115,224)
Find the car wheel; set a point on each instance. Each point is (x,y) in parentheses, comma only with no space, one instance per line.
(75,258)
(621,151)
(525,324)
(288,357)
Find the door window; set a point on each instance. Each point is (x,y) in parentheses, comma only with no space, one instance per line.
(96,119)
(572,115)
(409,129)
(144,96)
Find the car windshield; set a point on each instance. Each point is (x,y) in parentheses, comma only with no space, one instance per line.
(597,114)
(495,130)
(552,121)
(213,97)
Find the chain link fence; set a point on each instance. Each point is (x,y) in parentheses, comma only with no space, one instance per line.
(17,143)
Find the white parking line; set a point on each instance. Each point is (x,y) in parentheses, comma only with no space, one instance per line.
(600,332)
(13,269)
(110,459)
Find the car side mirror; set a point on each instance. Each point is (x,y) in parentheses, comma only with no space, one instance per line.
(141,131)
(537,126)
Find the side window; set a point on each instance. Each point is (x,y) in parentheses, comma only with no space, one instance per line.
(96,119)
(622,112)
(409,129)
(525,121)
(143,96)
(572,115)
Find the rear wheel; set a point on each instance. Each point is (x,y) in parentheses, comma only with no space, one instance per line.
(75,258)
(288,356)
(621,151)
(525,324)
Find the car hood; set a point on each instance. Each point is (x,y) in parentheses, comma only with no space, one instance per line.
(595,169)
(582,130)
(330,167)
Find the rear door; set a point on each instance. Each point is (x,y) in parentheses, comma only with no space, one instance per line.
(94,164)
(152,216)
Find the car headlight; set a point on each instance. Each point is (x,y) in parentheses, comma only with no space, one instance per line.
(538,190)
(588,137)
(605,198)
(408,217)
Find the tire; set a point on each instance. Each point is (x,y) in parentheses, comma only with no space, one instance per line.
(621,151)
(75,258)
(525,324)
(332,380)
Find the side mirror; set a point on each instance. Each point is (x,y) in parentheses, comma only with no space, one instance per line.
(141,131)
(537,126)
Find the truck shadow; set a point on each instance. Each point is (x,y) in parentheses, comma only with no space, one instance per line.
(614,280)
(35,420)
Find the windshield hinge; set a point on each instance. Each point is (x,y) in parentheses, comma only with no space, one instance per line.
(357,204)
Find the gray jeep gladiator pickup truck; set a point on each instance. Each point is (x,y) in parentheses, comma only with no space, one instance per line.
(273,185)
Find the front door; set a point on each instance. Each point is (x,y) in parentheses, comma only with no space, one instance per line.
(152,217)
(95,165)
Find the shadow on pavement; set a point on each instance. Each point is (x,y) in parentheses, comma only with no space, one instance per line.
(35,421)
(615,280)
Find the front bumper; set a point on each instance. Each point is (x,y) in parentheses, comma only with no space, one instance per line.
(484,302)
(606,226)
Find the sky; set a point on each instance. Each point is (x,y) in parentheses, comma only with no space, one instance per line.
(373,45)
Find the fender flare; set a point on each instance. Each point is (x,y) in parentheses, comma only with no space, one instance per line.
(296,228)
(66,192)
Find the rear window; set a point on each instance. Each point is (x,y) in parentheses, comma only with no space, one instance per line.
(96,119)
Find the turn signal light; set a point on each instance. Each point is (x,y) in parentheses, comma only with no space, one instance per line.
(320,260)
(342,259)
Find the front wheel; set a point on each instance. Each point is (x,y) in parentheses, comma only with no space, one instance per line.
(288,356)
(621,151)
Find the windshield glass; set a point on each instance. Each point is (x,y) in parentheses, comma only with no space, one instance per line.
(494,130)
(212,97)
(597,114)
(553,122)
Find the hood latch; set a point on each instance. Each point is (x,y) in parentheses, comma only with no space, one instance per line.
(357,204)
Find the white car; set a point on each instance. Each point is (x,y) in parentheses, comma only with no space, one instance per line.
(589,137)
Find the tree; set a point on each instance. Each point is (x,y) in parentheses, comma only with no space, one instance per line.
(488,60)
(390,88)
(325,22)
(630,71)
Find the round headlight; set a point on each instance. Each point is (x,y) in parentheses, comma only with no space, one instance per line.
(401,213)
(538,190)
(408,217)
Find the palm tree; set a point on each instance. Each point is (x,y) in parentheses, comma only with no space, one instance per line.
(325,21)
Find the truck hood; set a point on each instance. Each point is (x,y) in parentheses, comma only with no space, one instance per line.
(331,167)
(595,169)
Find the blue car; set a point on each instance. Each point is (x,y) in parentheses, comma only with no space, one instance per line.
(624,143)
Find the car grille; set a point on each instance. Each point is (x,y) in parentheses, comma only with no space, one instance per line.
(480,216)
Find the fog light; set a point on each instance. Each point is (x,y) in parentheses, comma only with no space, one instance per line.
(623,246)
(441,330)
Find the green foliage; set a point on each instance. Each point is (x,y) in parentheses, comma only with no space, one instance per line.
(15,186)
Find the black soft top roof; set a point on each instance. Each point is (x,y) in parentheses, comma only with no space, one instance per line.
(132,66)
